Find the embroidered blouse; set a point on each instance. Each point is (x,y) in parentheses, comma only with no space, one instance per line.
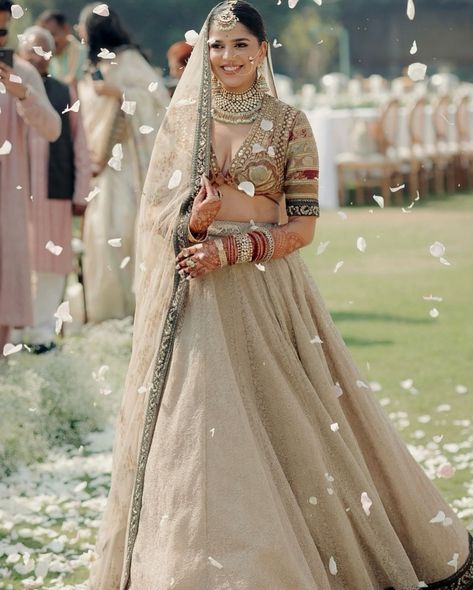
(279,157)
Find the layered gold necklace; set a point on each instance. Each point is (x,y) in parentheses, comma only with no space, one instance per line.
(237,108)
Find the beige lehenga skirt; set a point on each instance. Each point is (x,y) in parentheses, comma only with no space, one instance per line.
(272,465)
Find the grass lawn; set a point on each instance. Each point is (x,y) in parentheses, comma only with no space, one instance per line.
(377,299)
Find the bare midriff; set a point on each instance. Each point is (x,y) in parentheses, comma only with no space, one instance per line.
(238,206)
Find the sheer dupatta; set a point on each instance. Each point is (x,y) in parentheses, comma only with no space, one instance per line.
(180,156)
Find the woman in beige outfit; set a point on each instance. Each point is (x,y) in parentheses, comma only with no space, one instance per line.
(229,472)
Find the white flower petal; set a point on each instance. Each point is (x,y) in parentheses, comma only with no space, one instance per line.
(366,503)
(106,54)
(437,249)
(417,71)
(16,79)
(125,262)
(313,500)
(191,37)
(6,148)
(338,266)
(115,242)
(247,187)
(17,11)
(411,9)
(101,10)
(332,566)
(434,313)
(153,86)
(361,244)
(53,248)
(10,348)
(175,179)
(379,200)
(93,193)
(74,108)
(322,247)
(334,427)
(413,49)
(215,563)
(266,125)
(129,107)
(146,129)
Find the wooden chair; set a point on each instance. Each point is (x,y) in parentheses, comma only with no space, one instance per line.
(464,139)
(381,169)
(419,153)
(446,150)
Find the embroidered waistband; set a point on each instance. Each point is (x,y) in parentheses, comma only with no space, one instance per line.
(223,228)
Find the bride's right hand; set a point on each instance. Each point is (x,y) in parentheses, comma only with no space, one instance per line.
(205,208)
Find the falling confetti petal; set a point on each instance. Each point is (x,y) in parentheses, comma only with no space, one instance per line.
(318,2)
(333,567)
(74,108)
(434,313)
(461,389)
(153,87)
(343,215)
(337,390)
(379,200)
(16,79)
(10,348)
(438,518)
(338,266)
(316,340)
(115,161)
(313,500)
(215,563)
(394,189)
(411,9)
(62,314)
(40,51)
(366,503)
(6,148)
(417,71)
(146,129)
(191,37)
(17,11)
(101,10)
(247,187)
(115,242)
(129,107)
(361,244)
(432,298)
(413,49)
(437,249)
(124,262)
(261,267)
(93,193)
(53,248)
(322,247)
(266,125)
(292,3)
(276,44)
(106,54)
(454,561)
(445,262)
(271,151)
(407,384)
(175,179)
(334,427)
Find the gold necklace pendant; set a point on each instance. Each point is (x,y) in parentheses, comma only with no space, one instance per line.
(236,108)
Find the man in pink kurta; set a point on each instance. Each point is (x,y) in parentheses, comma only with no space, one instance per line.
(52,206)
(23,104)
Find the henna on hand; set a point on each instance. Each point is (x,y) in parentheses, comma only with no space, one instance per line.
(205,208)
(198,260)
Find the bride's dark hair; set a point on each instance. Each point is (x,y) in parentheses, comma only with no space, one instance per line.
(246,14)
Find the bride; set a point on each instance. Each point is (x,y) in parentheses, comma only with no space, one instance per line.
(249,452)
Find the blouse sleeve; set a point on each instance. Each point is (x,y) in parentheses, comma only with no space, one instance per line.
(301,181)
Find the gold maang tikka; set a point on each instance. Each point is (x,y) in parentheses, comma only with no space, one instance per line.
(227,19)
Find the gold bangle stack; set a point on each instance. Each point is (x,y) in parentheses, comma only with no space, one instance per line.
(244,248)
(196,239)
(222,255)
(270,242)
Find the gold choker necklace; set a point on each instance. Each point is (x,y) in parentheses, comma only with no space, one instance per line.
(234,108)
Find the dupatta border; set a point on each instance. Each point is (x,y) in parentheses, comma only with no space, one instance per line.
(200,165)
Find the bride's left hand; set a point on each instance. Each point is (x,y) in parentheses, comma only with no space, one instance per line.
(198,260)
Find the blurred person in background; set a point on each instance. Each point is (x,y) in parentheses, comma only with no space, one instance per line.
(178,55)
(60,177)
(70,56)
(122,103)
(23,103)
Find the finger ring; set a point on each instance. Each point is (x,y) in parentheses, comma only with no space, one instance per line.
(190,263)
